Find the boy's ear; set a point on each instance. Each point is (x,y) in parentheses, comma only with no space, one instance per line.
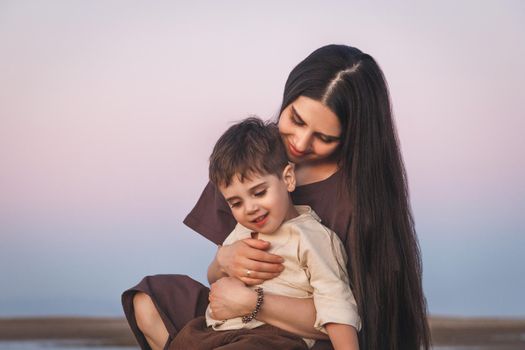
(289,176)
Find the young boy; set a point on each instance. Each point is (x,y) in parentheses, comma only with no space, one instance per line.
(250,167)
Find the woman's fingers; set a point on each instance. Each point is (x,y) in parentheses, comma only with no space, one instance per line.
(261,255)
(256,251)
(254,272)
(258,266)
(251,281)
(257,243)
(245,257)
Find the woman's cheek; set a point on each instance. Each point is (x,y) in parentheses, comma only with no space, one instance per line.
(326,150)
(285,125)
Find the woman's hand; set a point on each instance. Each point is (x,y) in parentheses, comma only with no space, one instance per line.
(230,298)
(247,260)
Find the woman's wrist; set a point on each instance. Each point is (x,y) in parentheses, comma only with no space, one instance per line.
(219,259)
(215,272)
(249,301)
(258,304)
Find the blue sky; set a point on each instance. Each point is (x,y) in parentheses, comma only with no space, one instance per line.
(109,110)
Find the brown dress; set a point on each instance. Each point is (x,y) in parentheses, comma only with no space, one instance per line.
(179,299)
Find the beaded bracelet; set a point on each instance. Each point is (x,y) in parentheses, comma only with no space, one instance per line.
(260,298)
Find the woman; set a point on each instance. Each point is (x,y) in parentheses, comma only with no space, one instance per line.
(337,125)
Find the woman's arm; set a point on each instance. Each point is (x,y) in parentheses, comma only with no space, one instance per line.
(230,298)
(298,318)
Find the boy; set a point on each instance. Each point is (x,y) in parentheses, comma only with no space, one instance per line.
(250,167)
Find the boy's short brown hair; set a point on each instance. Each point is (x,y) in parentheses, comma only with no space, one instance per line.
(246,148)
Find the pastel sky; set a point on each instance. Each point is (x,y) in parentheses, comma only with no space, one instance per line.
(109,110)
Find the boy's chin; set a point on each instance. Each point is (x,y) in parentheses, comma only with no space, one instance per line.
(264,230)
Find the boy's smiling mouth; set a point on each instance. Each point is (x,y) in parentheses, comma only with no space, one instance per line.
(260,220)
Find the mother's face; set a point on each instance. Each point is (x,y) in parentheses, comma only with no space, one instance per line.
(310,130)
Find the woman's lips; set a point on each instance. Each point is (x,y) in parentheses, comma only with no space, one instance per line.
(294,151)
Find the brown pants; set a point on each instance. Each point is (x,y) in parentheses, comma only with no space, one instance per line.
(179,299)
(197,336)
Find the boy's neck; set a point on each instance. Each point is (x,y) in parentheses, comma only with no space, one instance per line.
(291,213)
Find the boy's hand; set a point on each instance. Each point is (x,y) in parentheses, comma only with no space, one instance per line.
(247,260)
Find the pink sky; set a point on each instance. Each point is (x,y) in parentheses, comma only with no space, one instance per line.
(109,110)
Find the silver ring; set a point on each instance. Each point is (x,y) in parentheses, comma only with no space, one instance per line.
(248,273)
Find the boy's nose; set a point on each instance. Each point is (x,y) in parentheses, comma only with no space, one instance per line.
(251,208)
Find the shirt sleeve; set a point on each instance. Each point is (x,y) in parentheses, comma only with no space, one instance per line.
(211,216)
(325,259)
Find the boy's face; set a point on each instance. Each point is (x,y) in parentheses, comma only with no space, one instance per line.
(261,203)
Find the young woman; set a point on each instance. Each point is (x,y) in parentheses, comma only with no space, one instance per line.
(337,125)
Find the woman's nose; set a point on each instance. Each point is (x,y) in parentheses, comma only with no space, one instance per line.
(303,141)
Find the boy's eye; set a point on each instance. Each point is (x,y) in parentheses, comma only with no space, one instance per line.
(235,204)
(260,193)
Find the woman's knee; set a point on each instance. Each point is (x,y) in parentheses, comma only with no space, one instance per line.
(146,313)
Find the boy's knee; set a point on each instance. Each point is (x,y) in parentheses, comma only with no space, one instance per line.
(146,313)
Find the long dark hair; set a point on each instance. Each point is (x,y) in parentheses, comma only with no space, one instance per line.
(384,263)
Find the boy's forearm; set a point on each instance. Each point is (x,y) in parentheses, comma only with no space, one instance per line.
(342,336)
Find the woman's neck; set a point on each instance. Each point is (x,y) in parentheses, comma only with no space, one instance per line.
(314,172)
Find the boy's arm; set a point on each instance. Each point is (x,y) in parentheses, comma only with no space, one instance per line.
(325,257)
(342,336)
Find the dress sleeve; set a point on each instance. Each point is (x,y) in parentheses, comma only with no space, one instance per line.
(211,216)
(325,259)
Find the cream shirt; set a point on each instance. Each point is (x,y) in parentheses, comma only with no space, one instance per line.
(314,267)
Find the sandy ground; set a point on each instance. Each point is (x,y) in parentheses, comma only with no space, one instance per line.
(103,331)
(491,333)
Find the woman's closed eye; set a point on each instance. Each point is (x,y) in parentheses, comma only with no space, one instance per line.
(322,137)
(326,139)
(296,120)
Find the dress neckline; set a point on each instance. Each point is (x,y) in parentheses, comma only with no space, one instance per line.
(318,184)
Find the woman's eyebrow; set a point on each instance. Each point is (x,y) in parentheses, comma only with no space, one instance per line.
(294,111)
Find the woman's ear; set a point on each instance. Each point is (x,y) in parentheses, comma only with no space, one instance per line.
(289,176)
